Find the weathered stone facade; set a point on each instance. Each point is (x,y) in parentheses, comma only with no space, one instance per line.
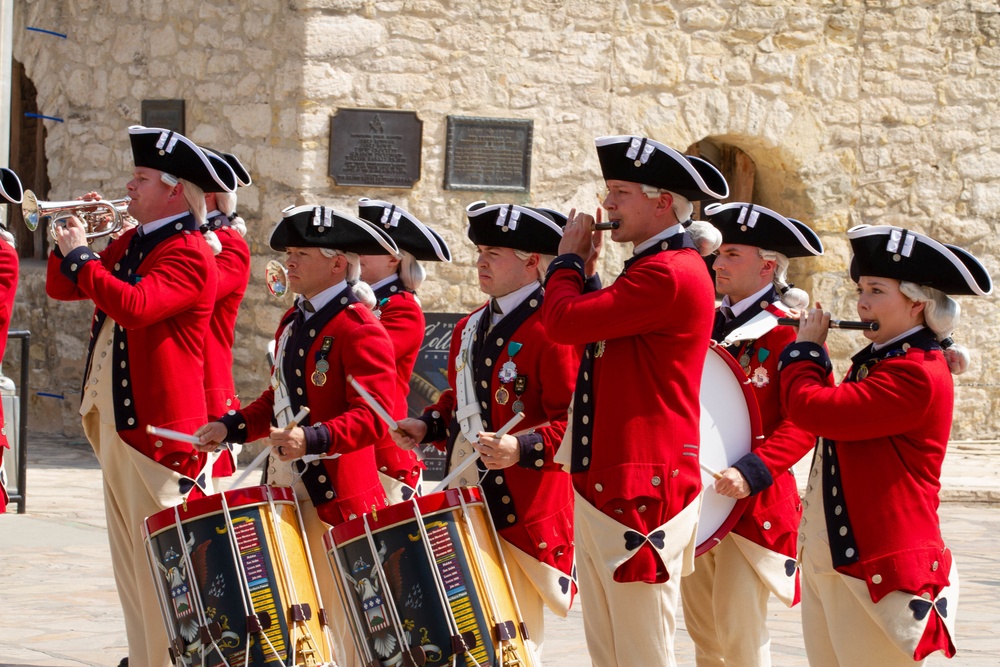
(875,111)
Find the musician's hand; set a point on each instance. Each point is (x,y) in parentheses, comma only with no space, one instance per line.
(211,435)
(578,235)
(498,453)
(288,445)
(70,236)
(596,245)
(410,434)
(732,484)
(814,325)
(93,195)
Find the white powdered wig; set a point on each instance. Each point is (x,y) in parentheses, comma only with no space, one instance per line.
(362,290)
(790,295)
(411,273)
(706,237)
(941,315)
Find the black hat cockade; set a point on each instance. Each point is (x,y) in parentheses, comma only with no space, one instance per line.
(901,254)
(513,226)
(323,227)
(10,186)
(175,154)
(409,233)
(647,162)
(753,225)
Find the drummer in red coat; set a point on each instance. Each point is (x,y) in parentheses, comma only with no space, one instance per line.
(395,280)
(879,584)
(11,191)
(503,362)
(633,450)
(326,336)
(153,288)
(725,599)
(225,231)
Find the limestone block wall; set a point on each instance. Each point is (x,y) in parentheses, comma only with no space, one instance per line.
(854,111)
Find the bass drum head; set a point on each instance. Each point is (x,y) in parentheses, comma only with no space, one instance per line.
(729,423)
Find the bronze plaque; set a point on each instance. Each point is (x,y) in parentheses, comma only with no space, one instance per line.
(166,114)
(375,147)
(488,154)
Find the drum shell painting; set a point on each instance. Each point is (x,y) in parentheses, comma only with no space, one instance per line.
(465,555)
(208,580)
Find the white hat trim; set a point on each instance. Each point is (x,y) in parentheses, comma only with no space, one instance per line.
(544,219)
(424,229)
(652,144)
(713,209)
(142,129)
(869,230)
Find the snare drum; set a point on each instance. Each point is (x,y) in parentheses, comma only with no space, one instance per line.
(730,423)
(424,580)
(235,581)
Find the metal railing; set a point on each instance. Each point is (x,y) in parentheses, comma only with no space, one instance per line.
(22,426)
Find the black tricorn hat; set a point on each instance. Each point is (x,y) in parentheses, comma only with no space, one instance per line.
(647,162)
(10,186)
(893,252)
(409,233)
(175,154)
(322,227)
(242,175)
(512,226)
(753,225)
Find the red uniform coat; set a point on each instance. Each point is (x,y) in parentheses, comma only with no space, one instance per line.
(340,421)
(885,430)
(159,289)
(403,319)
(642,396)
(771,517)
(532,502)
(8,288)
(233,271)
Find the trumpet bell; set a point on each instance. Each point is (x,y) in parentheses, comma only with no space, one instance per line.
(276,278)
(101,217)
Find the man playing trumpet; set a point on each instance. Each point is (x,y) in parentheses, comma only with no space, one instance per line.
(153,290)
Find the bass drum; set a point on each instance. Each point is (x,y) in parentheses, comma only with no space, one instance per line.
(730,423)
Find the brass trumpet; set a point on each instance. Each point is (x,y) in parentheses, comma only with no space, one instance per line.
(94,214)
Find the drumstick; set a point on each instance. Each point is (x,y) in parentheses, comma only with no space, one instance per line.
(443,484)
(380,411)
(257,462)
(173,435)
(716,475)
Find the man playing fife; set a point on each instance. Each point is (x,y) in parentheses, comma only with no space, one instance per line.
(502,362)
(725,599)
(633,447)
(153,289)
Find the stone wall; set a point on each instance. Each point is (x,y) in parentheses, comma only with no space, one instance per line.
(877,111)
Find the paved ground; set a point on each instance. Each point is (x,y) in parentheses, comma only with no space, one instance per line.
(58,606)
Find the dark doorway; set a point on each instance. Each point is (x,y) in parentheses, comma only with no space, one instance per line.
(27,159)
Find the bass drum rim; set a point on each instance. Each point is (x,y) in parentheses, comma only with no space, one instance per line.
(732,421)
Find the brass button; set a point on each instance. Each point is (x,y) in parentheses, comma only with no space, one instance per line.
(876,578)
(656,480)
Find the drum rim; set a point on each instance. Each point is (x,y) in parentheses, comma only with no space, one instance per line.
(248,496)
(756,429)
(344,533)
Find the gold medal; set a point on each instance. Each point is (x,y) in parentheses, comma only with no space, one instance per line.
(319,378)
(518,406)
(862,372)
(502,396)
(745,361)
